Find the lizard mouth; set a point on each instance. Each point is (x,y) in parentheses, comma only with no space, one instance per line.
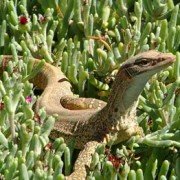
(163,61)
(167,60)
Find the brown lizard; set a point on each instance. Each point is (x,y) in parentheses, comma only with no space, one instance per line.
(88,121)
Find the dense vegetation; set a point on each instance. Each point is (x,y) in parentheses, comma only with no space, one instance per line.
(88,40)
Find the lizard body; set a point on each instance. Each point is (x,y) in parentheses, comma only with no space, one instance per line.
(88,124)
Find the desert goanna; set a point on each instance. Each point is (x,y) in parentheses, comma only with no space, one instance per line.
(89,121)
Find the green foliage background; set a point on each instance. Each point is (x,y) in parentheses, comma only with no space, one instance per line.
(88,40)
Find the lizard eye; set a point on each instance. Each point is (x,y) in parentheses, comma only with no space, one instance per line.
(142,62)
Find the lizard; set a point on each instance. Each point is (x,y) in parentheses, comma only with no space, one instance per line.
(90,122)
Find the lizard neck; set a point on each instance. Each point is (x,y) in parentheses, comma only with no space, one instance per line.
(117,120)
(124,96)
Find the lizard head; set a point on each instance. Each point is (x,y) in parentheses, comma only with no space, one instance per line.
(147,63)
(134,74)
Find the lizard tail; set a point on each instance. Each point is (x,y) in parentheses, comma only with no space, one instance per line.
(82,164)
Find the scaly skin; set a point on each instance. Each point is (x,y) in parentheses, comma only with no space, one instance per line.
(90,121)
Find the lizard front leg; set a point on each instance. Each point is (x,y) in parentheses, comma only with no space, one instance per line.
(83,161)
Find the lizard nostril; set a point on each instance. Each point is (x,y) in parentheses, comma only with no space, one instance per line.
(161,59)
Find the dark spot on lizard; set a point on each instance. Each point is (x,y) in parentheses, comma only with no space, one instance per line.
(116,109)
(63,79)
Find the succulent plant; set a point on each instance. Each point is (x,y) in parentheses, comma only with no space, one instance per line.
(88,40)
